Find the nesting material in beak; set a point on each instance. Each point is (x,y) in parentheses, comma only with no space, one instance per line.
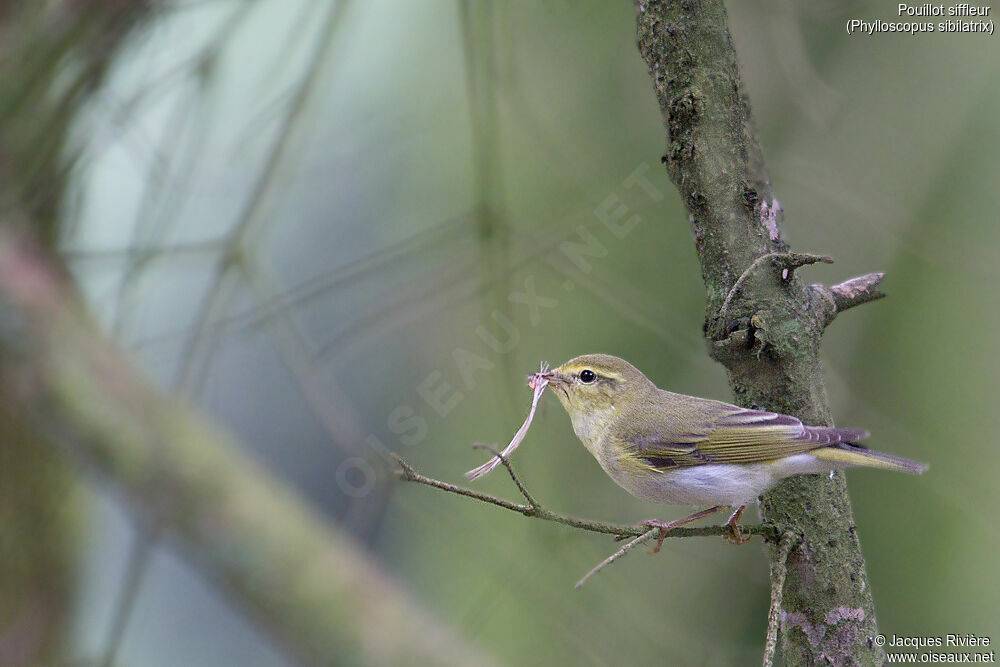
(537,382)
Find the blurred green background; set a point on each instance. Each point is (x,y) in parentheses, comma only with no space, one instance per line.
(309,218)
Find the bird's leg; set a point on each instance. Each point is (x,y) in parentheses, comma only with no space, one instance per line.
(666,526)
(737,537)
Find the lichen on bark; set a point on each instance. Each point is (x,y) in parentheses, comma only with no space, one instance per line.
(768,337)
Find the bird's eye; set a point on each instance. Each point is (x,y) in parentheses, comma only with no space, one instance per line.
(587,376)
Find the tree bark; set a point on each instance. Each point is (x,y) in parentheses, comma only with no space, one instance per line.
(768,335)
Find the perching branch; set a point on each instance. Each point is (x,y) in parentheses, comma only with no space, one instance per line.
(764,326)
(535,510)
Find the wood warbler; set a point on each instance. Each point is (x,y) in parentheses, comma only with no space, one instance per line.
(672,448)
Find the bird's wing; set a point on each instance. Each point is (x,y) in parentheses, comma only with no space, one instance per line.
(740,435)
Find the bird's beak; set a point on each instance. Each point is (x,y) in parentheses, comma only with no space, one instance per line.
(553,378)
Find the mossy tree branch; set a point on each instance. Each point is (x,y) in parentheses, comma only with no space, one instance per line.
(52,55)
(308,583)
(768,334)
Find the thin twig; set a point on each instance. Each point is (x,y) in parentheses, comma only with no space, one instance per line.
(779,568)
(792,261)
(536,510)
(616,555)
(408,474)
(506,464)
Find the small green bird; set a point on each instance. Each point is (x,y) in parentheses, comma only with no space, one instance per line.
(672,448)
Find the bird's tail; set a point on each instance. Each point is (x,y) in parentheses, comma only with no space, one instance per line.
(855,455)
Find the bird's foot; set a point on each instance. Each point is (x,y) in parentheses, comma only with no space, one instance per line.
(666,526)
(736,537)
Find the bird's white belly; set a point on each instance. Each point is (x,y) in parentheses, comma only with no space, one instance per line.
(715,483)
(711,484)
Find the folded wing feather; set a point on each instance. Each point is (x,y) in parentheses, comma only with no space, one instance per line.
(743,436)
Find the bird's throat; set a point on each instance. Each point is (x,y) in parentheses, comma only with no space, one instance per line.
(590,426)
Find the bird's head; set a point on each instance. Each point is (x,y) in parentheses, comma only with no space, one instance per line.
(593,387)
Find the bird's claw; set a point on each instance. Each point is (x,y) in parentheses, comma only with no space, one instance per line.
(664,526)
(736,536)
